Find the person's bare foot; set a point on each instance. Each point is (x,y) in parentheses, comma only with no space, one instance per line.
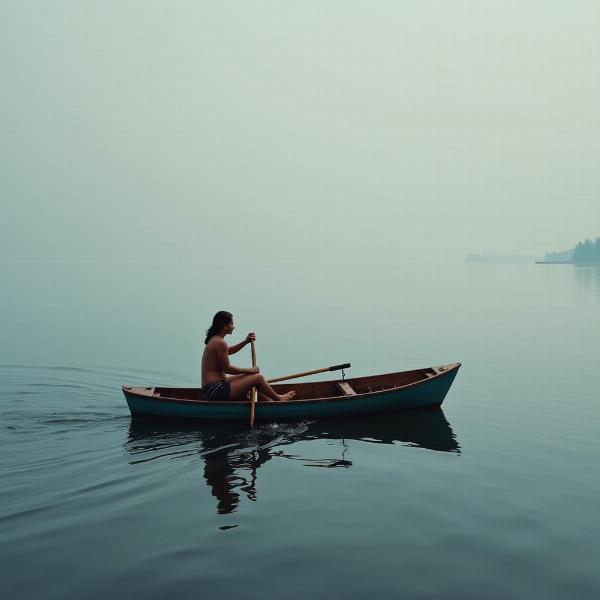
(288,396)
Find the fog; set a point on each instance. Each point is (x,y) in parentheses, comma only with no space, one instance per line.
(273,131)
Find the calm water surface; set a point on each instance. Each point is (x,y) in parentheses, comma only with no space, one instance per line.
(494,496)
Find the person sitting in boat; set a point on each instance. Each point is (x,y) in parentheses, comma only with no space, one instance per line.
(220,379)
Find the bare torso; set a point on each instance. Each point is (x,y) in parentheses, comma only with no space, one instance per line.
(211,370)
(216,367)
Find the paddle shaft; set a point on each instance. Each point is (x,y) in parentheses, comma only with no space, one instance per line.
(306,373)
(253,393)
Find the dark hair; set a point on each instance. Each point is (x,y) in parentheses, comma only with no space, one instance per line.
(221,319)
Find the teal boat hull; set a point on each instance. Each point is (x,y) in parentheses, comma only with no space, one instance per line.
(429,391)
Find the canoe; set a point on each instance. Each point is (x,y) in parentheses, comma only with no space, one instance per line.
(360,395)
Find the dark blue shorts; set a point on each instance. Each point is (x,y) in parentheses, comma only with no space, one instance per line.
(220,390)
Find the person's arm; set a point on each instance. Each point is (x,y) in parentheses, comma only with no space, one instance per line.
(237,347)
(227,367)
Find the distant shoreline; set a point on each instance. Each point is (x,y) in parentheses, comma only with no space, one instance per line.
(495,258)
(567,262)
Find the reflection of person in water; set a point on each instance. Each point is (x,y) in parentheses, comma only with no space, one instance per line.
(222,465)
(227,461)
(231,459)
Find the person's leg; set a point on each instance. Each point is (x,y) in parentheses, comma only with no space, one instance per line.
(282,397)
(232,377)
(265,389)
(263,398)
(240,385)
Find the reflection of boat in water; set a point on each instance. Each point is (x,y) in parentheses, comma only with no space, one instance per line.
(403,390)
(232,454)
(422,429)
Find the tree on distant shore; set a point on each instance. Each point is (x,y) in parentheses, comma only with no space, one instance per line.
(587,252)
(565,256)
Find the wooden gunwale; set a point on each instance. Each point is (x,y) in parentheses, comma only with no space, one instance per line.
(426,379)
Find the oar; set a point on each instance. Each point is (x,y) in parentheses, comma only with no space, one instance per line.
(253,394)
(306,373)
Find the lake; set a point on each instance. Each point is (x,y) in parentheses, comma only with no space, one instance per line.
(492,496)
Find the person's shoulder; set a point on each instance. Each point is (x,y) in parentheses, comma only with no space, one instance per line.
(217,342)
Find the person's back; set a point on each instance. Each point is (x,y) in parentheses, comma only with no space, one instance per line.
(212,370)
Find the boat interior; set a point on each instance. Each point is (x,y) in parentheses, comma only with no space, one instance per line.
(318,389)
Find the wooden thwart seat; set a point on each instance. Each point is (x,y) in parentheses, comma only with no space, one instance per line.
(345,388)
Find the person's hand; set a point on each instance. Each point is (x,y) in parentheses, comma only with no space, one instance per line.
(251,337)
(253,370)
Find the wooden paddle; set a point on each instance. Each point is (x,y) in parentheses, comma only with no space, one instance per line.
(306,373)
(253,393)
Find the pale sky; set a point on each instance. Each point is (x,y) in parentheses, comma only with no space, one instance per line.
(284,130)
